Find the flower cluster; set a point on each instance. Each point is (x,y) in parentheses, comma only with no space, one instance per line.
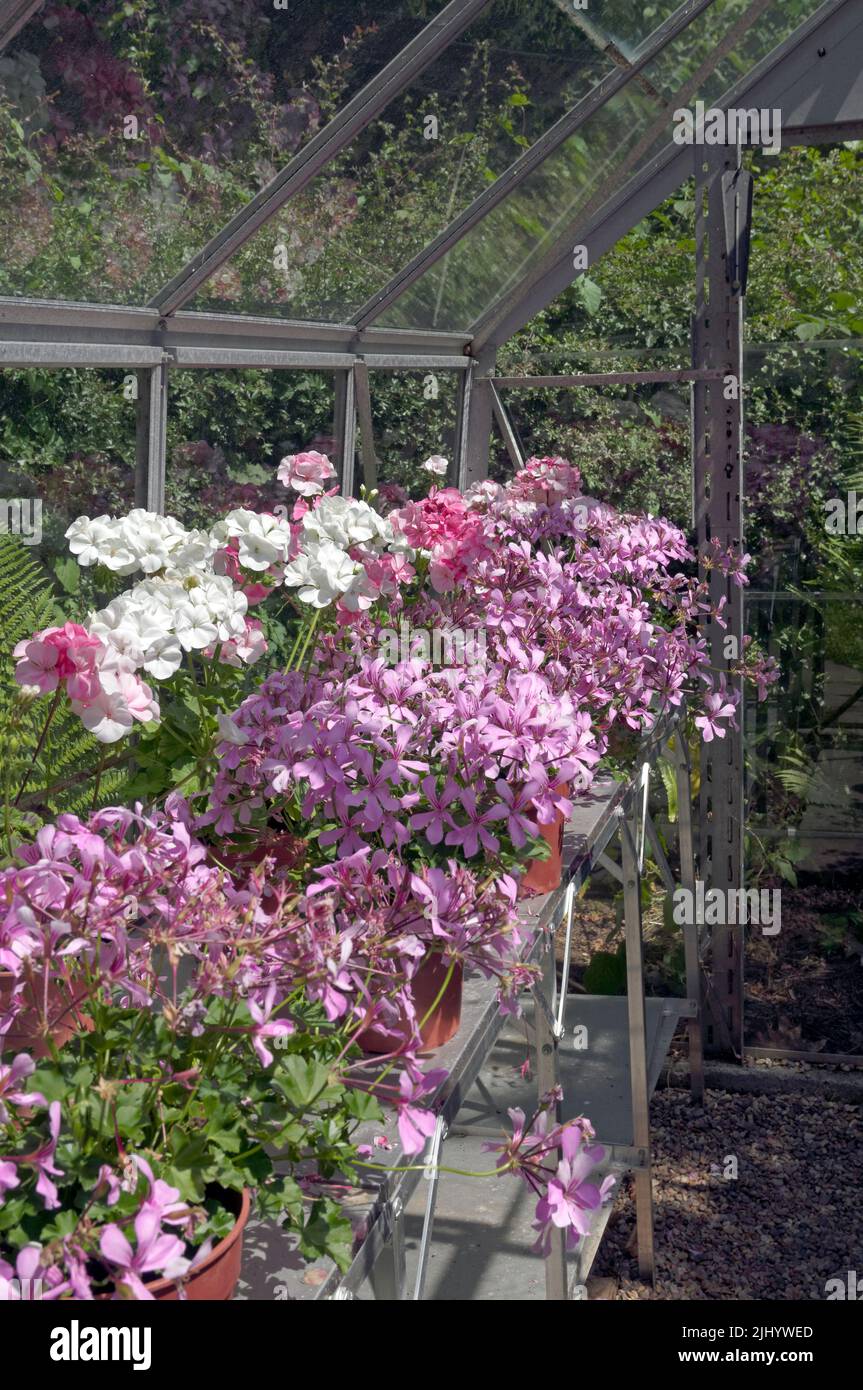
(99,679)
(140,540)
(406,758)
(124,920)
(159,620)
(554,1161)
(306,473)
(445,528)
(348,554)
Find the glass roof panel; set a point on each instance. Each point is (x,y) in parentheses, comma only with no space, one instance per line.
(587,169)
(465,120)
(132,130)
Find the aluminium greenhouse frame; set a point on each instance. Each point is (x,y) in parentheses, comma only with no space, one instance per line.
(814,77)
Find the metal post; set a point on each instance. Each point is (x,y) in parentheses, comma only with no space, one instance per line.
(718,454)
(476,414)
(691,930)
(388,1275)
(150,438)
(367,434)
(345,425)
(547,1078)
(639,1080)
(433,1176)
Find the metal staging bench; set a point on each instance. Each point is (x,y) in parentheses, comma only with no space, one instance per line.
(629,1039)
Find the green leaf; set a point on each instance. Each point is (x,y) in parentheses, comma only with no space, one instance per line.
(589,293)
(606,974)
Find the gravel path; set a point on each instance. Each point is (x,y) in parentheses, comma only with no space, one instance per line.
(789,1221)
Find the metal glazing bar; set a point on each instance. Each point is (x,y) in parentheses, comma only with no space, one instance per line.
(505,426)
(54,355)
(417,362)
(362,390)
(14,14)
(573,232)
(413,59)
(530,160)
(638,1059)
(213,357)
(346,430)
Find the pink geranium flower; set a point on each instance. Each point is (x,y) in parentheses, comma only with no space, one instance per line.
(306,473)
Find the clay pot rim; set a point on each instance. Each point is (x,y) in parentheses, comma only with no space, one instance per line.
(218,1252)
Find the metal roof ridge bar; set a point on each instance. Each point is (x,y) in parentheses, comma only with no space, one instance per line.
(14,14)
(526,163)
(28,354)
(503,309)
(413,361)
(240,358)
(606,378)
(413,59)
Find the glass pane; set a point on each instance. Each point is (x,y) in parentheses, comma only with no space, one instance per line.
(67,449)
(228,431)
(414,417)
(620,138)
(459,126)
(129,134)
(632,443)
(804,744)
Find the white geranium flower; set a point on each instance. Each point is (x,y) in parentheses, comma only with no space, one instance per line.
(263,540)
(86,536)
(346,521)
(321,572)
(141,540)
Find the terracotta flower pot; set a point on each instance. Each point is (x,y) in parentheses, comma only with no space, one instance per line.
(215,1279)
(444,1022)
(24,1035)
(544,875)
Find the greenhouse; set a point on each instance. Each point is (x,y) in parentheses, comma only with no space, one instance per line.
(431,437)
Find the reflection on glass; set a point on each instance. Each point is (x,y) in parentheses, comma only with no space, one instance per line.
(228,432)
(67,449)
(460,125)
(130,133)
(613,145)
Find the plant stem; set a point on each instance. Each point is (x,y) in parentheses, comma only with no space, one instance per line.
(55,703)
